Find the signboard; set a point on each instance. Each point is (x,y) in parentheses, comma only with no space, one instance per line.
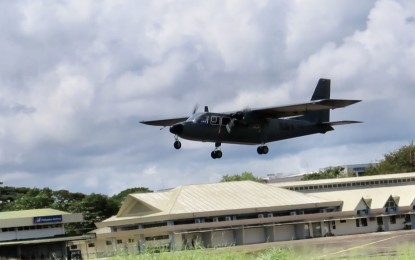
(47,219)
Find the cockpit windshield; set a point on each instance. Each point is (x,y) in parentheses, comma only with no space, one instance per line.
(199,118)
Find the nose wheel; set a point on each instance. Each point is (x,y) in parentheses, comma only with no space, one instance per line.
(177,144)
(217,153)
(263,149)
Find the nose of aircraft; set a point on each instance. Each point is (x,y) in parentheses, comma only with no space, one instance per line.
(176,129)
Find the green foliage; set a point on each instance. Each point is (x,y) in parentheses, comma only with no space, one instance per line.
(328,173)
(94,207)
(245,176)
(400,161)
(119,198)
(33,199)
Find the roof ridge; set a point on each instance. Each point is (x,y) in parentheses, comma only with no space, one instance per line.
(177,192)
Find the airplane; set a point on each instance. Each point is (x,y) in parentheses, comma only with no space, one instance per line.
(259,126)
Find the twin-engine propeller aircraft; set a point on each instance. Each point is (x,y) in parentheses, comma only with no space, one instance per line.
(259,126)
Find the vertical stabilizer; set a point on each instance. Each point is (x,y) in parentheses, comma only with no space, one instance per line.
(322,91)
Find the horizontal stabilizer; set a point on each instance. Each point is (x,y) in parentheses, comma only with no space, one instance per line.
(337,103)
(344,122)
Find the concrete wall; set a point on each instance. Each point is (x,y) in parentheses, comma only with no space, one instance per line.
(222,238)
(254,235)
(283,233)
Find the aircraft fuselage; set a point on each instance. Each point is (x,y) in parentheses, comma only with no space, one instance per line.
(212,127)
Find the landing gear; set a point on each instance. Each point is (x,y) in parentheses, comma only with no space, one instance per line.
(217,153)
(263,149)
(177,144)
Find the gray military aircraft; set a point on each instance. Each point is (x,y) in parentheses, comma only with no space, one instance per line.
(259,126)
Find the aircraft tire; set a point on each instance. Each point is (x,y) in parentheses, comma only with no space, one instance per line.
(177,144)
(213,154)
(262,149)
(218,154)
(259,150)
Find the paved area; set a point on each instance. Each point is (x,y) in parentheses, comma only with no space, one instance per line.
(340,247)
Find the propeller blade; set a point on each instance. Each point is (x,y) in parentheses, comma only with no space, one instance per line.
(230,125)
(195,109)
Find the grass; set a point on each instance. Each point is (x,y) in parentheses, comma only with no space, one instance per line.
(403,252)
(208,254)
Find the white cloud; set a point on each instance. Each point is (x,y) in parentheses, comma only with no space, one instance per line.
(77,76)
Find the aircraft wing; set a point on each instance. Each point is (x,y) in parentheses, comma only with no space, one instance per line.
(300,109)
(165,122)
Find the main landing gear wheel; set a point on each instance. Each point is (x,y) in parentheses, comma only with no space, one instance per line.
(217,154)
(177,144)
(263,149)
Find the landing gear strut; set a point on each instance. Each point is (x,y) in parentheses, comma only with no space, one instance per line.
(177,144)
(263,149)
(217,153)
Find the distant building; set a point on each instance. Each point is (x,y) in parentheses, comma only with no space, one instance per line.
(35,234)
(354,169)
(246,212)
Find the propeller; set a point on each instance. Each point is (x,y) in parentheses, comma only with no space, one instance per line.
(195,108)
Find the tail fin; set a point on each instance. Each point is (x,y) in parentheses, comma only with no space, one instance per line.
(322,91)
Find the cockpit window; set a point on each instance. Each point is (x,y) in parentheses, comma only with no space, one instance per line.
(199,118)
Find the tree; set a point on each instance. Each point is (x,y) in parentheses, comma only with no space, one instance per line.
(119,198)
(95,208)
(328,173)
(400,161)
(245,176)
(33,199)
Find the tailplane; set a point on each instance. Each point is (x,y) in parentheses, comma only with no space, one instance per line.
(322,91)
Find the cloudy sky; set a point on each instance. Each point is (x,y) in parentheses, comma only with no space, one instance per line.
(77,76)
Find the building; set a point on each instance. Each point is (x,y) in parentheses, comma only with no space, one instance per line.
(354,169)
(35,234)
(239,213)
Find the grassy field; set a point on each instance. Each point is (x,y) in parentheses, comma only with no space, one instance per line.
(403,252)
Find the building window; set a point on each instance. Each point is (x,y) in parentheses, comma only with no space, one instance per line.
(91,244)
(131,240)
(119,241)
(379,221)
(333,225)
(74,247)
(108,242)
(392,219)
(342,221)
(361,222)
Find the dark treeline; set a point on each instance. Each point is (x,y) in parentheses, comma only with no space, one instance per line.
(94,207)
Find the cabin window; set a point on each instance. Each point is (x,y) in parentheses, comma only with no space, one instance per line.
(225,120)
(214,120)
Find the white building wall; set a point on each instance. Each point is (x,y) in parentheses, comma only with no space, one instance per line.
(283,233)
(10,235)
(39,233)
(349,227)
(254,236)
(222,238)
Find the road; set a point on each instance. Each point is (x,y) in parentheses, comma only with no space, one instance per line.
(352,246)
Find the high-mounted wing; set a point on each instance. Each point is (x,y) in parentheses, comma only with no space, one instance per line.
(165,122)
(301,109)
